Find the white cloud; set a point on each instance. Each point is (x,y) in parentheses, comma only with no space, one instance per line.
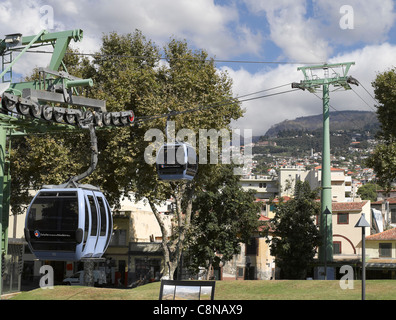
(312,34)
(371,20)
(203,23)
(290,29)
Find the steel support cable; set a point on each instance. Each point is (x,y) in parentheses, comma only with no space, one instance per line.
(143,118)
(111,56)
(201,108)
(368,92)
(363,100)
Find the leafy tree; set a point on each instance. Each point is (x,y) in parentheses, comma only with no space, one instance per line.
(383,159)
(368,191)
(224,216)
(296,236)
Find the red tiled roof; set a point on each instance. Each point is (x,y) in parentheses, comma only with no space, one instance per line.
(265,221)
(385,235)
(284,199)
(348,206)
(390,200)
(331,169)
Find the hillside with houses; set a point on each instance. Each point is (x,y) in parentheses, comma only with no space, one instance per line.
(299,143)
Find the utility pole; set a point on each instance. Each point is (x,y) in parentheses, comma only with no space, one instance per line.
(312,82)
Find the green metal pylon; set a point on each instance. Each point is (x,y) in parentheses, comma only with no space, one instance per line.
(3,213)
(326,219)
(311,83)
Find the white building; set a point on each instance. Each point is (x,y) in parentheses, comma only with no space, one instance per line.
(266,187)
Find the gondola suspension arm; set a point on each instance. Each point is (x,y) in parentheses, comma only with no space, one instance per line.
(94,156)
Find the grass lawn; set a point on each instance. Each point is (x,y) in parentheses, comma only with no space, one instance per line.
(229,290)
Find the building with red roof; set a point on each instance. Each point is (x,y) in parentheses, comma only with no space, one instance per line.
(381,253)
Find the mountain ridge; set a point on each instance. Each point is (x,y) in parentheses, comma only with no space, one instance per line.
(339,120)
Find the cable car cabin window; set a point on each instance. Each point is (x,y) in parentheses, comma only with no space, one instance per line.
(173,160)
(103,224)
(94,215)
(55,211)
(53,221)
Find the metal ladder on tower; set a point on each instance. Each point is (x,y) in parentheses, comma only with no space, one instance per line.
(6,59)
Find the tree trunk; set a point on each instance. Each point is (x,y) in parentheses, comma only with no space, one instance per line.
(173,249)
(209,269)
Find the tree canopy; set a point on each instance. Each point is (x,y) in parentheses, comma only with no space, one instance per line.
(383,159)
(368,191)
(296,236)
(224,216)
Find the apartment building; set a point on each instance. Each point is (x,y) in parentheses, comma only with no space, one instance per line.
(266,187)
(346,238)
(381,255)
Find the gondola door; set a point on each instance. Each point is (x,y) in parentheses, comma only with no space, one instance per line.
(105,222)
(94,223)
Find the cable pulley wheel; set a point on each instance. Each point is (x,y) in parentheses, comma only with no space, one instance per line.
(107,119)
(115,119)
(8,104)
(70,118)
(57,116)
(23,109)
(35,111)
(47,112)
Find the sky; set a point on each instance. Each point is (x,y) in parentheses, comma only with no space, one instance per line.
(264,42)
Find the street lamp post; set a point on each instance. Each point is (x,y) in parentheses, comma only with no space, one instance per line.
(362,223)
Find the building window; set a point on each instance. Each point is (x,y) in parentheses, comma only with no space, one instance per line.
(240,272)
(393,216)
(337,247)
(342,218)
(251,247)
(385,250)
(119,238)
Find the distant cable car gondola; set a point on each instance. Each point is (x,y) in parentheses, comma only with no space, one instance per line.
(71,221)
(176,161)
(68,224)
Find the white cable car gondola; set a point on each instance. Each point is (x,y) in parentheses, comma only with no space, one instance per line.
(68,224)
(71,221)
(176,161)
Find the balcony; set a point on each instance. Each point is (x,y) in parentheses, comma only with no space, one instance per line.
(145,248)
